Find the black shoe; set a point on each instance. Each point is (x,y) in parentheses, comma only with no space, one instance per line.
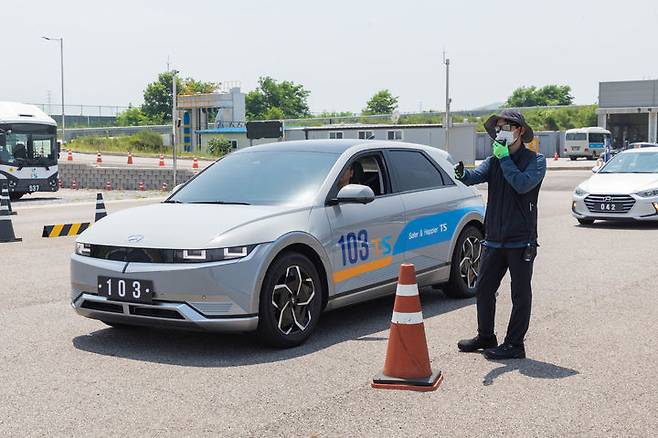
(477,343)
(505,351)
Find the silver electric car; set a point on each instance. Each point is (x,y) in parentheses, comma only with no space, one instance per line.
(268,237)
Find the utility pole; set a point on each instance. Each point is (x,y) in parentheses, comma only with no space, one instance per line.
(446,124)
(174,118)
(61,60)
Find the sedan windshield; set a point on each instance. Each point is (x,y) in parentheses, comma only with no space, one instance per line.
(638,162)
(259,177)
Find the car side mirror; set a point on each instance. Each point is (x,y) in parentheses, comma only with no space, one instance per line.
(354,194)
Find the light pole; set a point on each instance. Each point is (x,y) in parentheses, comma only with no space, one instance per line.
(446,127)
(174,118)
(61,59)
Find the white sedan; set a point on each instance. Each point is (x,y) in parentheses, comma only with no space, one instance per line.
(624,188)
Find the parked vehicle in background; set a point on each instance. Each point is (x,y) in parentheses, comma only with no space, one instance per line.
(625,188)
(28,149)
(587,142)
(642,144)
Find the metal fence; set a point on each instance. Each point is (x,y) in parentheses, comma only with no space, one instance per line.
(81,109)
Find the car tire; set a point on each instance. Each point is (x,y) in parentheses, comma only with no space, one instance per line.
(573,158)
(290,301)
(586,221)
(15,196)
(466,258)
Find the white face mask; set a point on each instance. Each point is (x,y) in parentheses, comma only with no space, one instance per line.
(507,136)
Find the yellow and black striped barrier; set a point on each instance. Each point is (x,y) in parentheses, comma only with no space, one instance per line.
(61,230)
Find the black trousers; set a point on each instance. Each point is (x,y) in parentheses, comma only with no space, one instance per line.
(494,264)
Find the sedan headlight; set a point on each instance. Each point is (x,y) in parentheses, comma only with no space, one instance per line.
(83,249)
(648,193)
(211,255)
(580,192)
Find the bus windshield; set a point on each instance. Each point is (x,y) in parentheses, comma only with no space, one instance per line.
(27,144)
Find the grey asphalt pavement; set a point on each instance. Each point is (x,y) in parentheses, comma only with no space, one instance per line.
(590,369)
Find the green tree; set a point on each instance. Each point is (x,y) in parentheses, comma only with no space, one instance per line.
(158,95)
(274,113)
(132,116)
(219,146)
(549,95)
(383,102)
(290,98)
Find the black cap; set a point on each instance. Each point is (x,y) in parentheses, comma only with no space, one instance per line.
(511,116)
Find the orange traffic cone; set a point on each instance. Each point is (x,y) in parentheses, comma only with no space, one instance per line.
(69,157)
(161,163)
(164,187)
(60,183)
(407,364)
(141,186)
(74,184)
(108,185)
(195,163)
(99,159)
(130,157)
(556,156)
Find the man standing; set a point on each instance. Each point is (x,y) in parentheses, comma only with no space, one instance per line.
(514,175)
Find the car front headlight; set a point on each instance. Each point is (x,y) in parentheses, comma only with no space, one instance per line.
(580,192)
(212,255)
(648,193)
(83,249)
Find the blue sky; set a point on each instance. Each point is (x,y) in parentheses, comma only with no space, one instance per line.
(342,51)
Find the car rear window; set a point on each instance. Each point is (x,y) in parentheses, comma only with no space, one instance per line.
(414,171)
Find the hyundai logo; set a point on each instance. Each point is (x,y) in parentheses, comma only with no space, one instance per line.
(135,238)
(607,199)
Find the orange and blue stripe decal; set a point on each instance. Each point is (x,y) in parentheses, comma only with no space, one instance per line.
(418,233)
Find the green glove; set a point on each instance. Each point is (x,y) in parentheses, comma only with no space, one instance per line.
(500,150)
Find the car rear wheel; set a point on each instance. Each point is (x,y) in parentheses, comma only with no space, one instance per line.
(586,221)
(465,264)
(290,301)
(15,196)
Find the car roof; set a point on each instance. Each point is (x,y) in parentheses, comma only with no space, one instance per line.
(331,146)
(641,150)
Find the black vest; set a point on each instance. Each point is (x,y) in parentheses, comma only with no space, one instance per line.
(511,216)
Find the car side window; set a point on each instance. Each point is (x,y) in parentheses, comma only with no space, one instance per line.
(414,171)
(367,170)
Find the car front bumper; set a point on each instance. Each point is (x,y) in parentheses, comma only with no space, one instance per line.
(218,296)
(644,209)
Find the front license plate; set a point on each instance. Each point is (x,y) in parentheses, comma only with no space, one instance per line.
(125,289)
(605,207)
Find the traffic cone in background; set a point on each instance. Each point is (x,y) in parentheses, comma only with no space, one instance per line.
(556,157)
(69,157)
(100,208)
(60,183)
(108,186)
(6,228)
(195,163)
(74,184)
(99,159)
(161,163)
(407,364)
(164,187)
(141,186)
(130,157)
(4,194)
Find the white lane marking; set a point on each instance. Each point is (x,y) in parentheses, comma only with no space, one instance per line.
(407,318)
(407,290)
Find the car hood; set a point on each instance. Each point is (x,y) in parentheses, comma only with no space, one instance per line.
(194,226)
(620,183)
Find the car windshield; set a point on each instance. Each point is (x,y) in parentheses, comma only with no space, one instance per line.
(259,177)
(27,144)
(638,162)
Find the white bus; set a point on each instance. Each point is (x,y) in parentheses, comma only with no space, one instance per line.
(587,142)
(28,149)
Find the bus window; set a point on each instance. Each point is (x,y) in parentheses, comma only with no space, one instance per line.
(596,137)
(577,136)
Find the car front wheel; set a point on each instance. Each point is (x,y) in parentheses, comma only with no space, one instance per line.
(290,301)
(465,264)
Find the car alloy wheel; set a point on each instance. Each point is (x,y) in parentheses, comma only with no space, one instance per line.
(291,300)
(469,264)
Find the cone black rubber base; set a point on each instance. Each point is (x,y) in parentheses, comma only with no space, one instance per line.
(15,239)
(431,383)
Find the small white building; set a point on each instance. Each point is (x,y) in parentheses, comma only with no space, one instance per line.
(462,136)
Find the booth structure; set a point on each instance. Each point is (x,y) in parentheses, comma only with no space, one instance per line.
(629,110)
(198,112)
